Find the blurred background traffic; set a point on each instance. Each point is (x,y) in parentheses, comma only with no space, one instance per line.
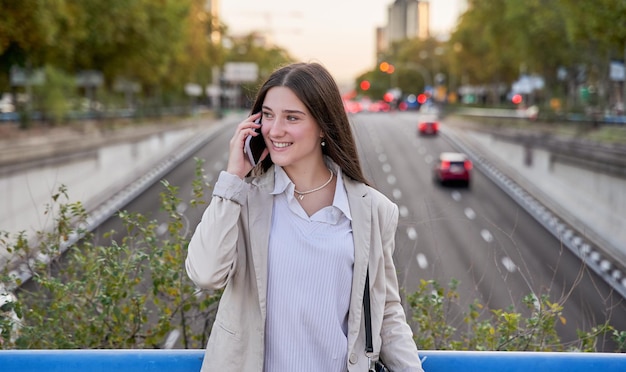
(65,60)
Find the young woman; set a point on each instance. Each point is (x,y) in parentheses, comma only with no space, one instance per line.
(292,240)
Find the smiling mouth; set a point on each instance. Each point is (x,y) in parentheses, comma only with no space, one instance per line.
(281,145)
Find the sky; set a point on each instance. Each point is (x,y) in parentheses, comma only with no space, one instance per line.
(339,34)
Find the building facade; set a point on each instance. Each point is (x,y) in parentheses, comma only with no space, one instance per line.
(406,19)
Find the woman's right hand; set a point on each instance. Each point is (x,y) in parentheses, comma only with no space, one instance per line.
(238,163)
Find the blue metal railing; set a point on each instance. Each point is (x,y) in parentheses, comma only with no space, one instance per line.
(191,360)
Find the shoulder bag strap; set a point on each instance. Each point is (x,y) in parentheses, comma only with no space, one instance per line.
(369,348)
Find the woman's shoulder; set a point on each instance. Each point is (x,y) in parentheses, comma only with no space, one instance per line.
(379,200)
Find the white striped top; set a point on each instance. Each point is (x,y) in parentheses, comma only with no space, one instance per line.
(310,263)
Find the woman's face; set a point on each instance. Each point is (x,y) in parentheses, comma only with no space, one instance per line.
(291,134)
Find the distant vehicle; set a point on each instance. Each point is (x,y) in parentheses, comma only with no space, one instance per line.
(453,168)
(379,106)
(425,128)
(352,107)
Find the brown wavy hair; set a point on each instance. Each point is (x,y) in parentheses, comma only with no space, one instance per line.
(316,88)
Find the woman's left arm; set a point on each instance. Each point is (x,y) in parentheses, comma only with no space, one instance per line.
(398,349)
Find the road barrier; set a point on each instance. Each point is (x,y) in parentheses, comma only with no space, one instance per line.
(191,360)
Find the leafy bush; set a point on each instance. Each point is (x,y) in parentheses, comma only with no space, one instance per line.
(135,292)
(432,306)
(126,294)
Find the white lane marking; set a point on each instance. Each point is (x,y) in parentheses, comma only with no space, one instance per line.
(421,150)
(404,211)
(386,168)
(391,179)
(509,264)
(397,194)
(171,339)
(422,262)
(469,213)
(456,196)
(382,158)
(486,235)
(411,233)
(428,159)
(162,229)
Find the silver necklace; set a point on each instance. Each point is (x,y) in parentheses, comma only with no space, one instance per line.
(302,193)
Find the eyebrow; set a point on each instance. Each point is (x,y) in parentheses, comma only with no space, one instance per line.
(287,111)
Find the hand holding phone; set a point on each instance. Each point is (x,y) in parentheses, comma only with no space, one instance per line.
(254,146)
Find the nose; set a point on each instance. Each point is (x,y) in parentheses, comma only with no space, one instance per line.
(276,127)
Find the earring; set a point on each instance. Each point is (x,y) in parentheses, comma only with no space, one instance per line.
(323,143)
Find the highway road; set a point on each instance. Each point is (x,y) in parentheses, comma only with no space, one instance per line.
(478,236)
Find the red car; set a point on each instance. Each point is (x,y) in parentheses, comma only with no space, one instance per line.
(425,128)
(453,168)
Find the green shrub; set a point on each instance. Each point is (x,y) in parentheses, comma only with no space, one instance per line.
(433,308)
(133,292)
(117,294)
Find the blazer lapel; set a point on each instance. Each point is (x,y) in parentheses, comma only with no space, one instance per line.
(260,207)
(360,201)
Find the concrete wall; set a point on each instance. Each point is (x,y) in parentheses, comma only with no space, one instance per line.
(91,177)
(592,199)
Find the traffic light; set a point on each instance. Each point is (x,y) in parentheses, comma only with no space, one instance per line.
(386,67)
(422,98)
(365,85)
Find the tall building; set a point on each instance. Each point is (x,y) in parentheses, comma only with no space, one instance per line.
(407,19)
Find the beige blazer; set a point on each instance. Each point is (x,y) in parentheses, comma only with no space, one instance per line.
(229,250)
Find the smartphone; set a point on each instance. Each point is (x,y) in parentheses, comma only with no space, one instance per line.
(254,146)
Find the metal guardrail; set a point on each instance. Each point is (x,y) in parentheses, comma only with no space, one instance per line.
(525,114)
(191,360)
(21,273)
(593,256)
(121,113)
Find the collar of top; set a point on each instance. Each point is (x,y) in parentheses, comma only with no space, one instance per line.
(283,184)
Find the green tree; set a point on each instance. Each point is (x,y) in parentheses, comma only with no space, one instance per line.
(56,94)
(496,41)
(160,45)
(252,48)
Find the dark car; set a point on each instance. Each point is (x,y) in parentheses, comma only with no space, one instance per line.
(426,128)
(453,168)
